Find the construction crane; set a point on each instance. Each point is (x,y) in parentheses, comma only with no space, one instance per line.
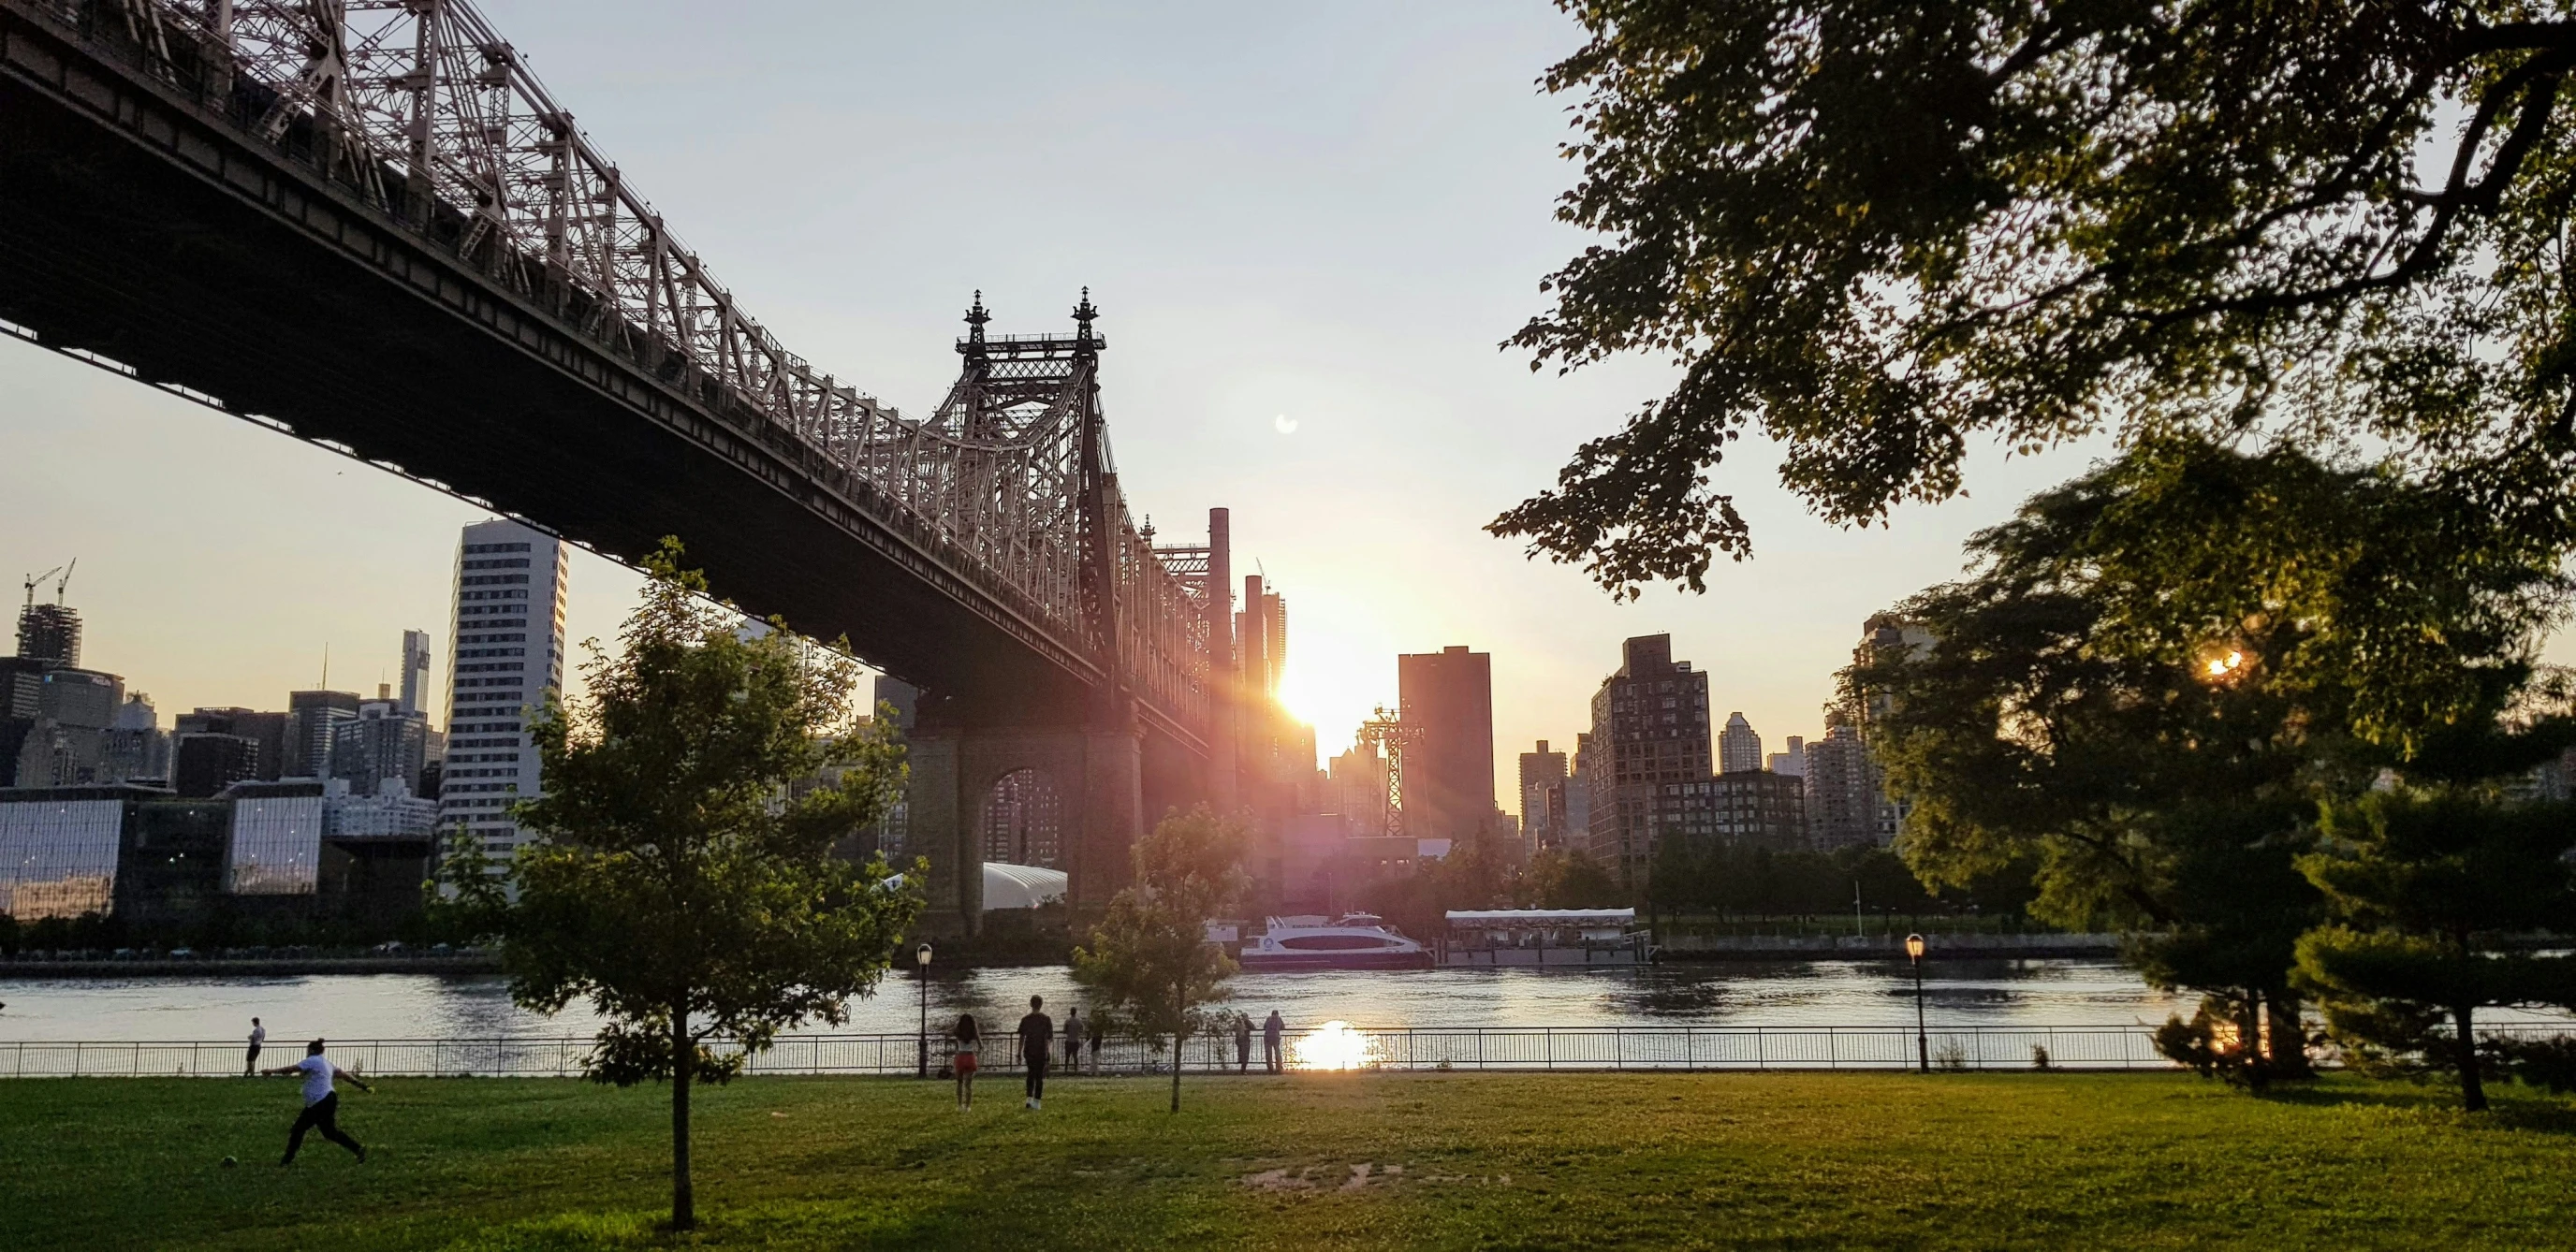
(59,583)
(1390,734)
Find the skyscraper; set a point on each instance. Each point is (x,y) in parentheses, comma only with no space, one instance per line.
(313,720)
(1739,750)
(383,745)
(136,746)
(507,653)
(415,665)
(1649,727)
(1541,772)
(1448,698)
(50,633)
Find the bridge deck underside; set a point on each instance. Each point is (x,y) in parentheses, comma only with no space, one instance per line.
(200,266)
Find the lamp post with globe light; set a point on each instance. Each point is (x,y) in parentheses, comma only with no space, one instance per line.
(1922,1044)
(921,970)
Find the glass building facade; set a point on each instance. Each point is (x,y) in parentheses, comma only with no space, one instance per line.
(58,857)
(276,848)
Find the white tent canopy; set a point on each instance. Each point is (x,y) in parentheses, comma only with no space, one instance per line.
(1014,886)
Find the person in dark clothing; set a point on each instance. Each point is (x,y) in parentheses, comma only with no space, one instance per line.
(258,1036)
(1098,1032)
(1073,1040)
(1037,1036)
(1270,1032)
(321,1103)
(1242,1042)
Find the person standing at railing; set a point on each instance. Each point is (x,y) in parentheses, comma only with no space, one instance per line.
(1073,1040)
(321,1103)
(258,1036)
(1098,1032)
(1271,1030)
(1037,1043)
(966,1039)
(1242,1042)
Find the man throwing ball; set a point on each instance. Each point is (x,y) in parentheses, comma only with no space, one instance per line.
(321,1103)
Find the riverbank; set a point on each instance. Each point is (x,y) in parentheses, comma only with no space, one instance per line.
(251,967)
(1419,1161)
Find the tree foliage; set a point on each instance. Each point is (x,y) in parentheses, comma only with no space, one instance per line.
(2154,674)
(683,880)
(2423,887)
(1149,959)
(1873,230)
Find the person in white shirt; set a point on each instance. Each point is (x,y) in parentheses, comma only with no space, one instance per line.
(321,1103)
(258,1036)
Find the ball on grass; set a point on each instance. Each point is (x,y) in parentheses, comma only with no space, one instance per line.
(230,1162)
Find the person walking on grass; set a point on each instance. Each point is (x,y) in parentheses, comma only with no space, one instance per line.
(1242,1042)
(258,1036)
(1073,1040)
(1037,1043)
(321,1103)
(968,1039)
(1270,1032)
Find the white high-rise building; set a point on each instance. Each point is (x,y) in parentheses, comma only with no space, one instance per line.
(506,652)
(1739,750)
(1792,762)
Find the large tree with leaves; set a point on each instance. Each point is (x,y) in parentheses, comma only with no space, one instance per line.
(1149,960)
(683,880)
(2154,674)
(1876,230)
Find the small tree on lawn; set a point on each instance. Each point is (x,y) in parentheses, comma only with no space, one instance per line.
(1149,959)
(683,882)
(2422,885)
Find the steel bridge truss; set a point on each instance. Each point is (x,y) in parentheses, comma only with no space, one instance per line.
(423,111)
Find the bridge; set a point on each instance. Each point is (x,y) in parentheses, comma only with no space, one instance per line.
(366,224)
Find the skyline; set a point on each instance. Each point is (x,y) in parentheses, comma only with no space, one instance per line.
(1307,234)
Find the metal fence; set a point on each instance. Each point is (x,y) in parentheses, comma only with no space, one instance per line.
(1402,1048)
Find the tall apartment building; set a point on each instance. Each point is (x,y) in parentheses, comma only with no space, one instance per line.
(137,748)
(1448,698)
(266,733)
(1792,762)
(1739,749)
(1745,810)
(1649,727)
(415,670)
(507,653)
(383,749)
(1542,796)
(1881,634)
(1842,791)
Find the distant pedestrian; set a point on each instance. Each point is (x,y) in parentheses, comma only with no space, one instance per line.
(1073,1039)
(321,1103)
(1242,1042)
(258,1036)
(968,1039)
(1037,1044)
(1271,1030)
(1098,1032)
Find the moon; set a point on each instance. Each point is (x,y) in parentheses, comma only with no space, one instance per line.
(1286,425)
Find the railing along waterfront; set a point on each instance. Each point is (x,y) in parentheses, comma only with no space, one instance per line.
(1334,1047)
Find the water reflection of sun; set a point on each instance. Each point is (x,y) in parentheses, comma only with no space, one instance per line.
(1334,1045)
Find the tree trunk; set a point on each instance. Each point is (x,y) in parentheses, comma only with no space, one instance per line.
(684,1204)
(1177,1038)
(2473,1089)
(2289,1036)
(2249,1040)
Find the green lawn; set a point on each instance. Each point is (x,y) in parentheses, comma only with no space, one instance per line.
(1415,1161)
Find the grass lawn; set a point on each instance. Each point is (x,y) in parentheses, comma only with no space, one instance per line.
(1409,1161)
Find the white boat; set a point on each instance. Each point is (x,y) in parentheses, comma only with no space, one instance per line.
(1351,941)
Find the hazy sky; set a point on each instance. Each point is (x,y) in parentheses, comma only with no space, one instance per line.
(1307,227)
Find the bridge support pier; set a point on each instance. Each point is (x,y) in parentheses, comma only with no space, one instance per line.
(1097,779)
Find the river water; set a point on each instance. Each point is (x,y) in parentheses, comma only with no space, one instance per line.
(1821,993)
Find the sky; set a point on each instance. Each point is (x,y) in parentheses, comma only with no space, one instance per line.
(1308,227)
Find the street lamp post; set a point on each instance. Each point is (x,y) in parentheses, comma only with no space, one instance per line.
(1922,1045)
(921,971)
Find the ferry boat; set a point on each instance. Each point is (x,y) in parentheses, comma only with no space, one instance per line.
(1351,941)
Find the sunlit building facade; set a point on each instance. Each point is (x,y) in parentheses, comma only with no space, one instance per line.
(507,655)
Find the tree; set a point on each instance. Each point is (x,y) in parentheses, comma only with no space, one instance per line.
(1149,959)
(2422,885)
(1875,229)
(2155,673)
(682,880)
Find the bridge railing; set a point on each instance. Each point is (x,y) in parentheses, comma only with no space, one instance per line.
(1400,1048)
